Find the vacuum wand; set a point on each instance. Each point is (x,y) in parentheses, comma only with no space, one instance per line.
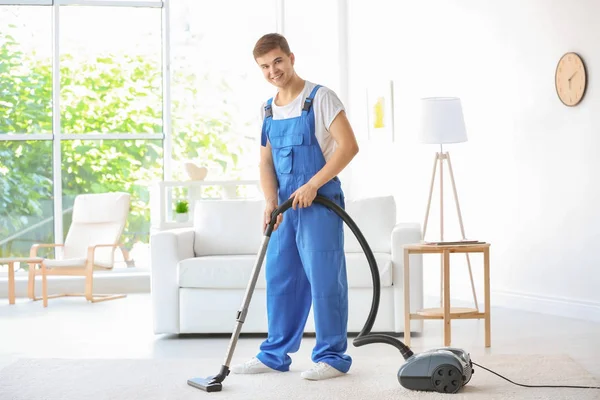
(214,383)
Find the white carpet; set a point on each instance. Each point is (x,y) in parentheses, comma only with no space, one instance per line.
(153,379)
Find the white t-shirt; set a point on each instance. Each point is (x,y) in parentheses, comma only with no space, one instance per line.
(326,106)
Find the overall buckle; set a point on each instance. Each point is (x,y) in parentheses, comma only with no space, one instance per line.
(307,104)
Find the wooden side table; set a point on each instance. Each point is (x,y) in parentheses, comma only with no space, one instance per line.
(11,272)
(446,312)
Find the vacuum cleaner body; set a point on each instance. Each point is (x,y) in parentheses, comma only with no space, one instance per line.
(444,370)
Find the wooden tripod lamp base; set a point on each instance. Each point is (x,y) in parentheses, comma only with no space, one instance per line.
(440,157)
(442,122)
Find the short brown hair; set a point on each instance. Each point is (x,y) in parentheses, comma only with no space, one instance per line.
(269,42)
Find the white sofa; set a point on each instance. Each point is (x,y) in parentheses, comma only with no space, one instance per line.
(200,274)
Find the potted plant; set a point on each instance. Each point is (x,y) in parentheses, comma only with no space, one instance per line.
(181,211)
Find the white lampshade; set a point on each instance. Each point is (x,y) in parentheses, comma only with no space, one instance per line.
(442,121)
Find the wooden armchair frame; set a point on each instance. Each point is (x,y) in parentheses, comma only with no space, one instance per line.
(87,272)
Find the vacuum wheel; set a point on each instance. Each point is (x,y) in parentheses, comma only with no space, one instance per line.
(447,379)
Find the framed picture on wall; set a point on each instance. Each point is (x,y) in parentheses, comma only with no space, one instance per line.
(380,108)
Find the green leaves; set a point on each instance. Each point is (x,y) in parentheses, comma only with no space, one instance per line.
(113,93)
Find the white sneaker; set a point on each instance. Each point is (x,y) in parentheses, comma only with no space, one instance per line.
(321,371)
(252,366)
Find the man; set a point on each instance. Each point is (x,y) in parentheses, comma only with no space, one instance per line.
(306,142)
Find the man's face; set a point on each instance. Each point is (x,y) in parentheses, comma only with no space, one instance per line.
(277,67)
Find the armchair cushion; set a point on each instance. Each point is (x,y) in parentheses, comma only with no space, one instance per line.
(101,208)
(72,263)
(65,263)
(97,219)
(82,235)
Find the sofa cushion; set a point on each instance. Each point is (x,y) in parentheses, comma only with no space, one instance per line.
(359,273)
(218,272)
(234,272)
(233,227)
(375,218)
(228,227)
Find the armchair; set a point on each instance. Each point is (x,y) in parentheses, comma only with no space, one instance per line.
(94,234)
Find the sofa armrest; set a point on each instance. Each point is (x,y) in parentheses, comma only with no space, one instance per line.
(167,248)
(402,234)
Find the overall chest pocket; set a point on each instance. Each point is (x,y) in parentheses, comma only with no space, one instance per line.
(283,151)
(284,160)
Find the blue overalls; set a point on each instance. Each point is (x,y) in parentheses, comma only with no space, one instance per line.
(305,258)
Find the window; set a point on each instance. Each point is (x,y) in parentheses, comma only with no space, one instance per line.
(25,70)
(26,185)
(105,132)
(217,88)
(111,79)
(111,84)
(124,165)
(26,205)
(85,106)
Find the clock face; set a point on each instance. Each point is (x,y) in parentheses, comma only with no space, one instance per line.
(570,79)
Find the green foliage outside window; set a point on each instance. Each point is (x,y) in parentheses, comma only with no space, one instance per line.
(115,93)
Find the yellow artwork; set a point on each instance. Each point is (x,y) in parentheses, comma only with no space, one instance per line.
(379,112)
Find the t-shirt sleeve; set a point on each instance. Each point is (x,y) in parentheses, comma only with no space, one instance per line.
(331,106)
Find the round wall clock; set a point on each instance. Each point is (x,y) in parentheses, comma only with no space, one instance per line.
(570,79)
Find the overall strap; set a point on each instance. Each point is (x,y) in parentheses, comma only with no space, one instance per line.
(309,100)
(307,110)
(268,109)
(266,122)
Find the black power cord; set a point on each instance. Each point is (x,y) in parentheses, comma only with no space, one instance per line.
(539,386)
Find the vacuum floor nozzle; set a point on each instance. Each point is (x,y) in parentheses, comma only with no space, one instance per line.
(207,384)
(211,383)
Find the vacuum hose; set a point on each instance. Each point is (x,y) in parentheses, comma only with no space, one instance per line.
(363,337)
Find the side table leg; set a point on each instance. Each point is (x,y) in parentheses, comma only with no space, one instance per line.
(446,278)
(486,269)
(11,283)
(406,299)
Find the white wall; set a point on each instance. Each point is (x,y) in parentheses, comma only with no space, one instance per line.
(528,176)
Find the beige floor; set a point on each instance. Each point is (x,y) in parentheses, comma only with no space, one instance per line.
(72,328)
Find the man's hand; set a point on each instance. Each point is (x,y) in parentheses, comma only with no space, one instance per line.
(270,207)
(304,196)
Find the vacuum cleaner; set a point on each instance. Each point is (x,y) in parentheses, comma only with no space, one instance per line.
(443,370)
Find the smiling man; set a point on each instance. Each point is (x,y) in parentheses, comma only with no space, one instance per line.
(306,142)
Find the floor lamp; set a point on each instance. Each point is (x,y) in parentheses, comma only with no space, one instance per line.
(442,122)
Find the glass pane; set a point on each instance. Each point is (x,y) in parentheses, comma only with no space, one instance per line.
(110,70)
(316,50)
(100,166)
(26,198)
(217,88)
(25,69)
